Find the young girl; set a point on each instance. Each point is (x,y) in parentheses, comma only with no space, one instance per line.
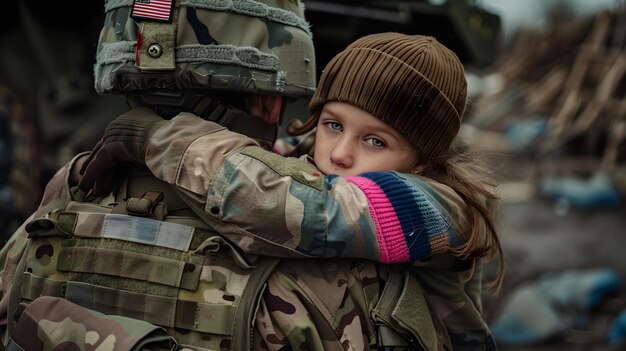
(395,190)
(393,102)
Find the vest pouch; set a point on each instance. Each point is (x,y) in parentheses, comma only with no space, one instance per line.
(38,324)
(56,223)
(47,237)
(403,315)
(233,283)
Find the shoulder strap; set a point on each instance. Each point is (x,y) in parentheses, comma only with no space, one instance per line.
(263,267)
(250,302)
(402,314)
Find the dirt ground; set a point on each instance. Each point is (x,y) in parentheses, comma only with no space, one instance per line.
(537,241)
(541,237)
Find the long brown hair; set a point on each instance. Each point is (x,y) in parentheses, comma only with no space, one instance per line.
(297,127)
(463,170)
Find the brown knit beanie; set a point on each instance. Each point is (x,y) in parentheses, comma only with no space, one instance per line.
(411,82)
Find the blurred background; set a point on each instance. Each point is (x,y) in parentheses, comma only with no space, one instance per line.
(547,107)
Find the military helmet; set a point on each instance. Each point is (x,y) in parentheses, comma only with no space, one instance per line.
(250,46)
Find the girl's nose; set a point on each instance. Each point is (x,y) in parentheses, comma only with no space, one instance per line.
(342,154)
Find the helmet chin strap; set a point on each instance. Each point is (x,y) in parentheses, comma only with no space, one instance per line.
(256,124)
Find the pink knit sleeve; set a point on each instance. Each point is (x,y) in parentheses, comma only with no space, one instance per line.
(393,247)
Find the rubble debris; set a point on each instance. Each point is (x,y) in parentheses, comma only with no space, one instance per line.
(568,82)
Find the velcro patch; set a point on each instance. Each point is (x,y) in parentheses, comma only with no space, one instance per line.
(288,167)
(147,231)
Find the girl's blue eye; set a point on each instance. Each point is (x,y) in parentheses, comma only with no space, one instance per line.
(335,126)
(375,142)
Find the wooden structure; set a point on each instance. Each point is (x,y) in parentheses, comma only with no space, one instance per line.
(573,75)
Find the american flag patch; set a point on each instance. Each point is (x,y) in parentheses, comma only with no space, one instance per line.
(152,10)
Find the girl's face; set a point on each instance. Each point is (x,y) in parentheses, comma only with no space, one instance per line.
(350,141)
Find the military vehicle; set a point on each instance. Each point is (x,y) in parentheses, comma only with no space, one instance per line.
(470,30)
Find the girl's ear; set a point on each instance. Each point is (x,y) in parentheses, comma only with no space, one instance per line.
(419,164)
(418,169)
(265,107)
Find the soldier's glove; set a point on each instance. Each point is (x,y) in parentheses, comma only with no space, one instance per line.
(125,141)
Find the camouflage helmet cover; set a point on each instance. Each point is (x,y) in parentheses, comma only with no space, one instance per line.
(254,46)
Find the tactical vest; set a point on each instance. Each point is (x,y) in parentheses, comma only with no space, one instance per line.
(143,253)
(143,259)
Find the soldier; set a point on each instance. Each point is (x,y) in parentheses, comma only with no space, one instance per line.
(174,270)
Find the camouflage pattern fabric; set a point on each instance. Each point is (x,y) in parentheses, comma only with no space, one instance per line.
(169,267)
(333,304)
(69,253)
(228,175)
(333,216)
(318,307)
(261,46)
(174,272)
(83,329)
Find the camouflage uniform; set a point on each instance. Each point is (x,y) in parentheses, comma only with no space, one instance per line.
(329,305)
(307,214)
(191,282)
